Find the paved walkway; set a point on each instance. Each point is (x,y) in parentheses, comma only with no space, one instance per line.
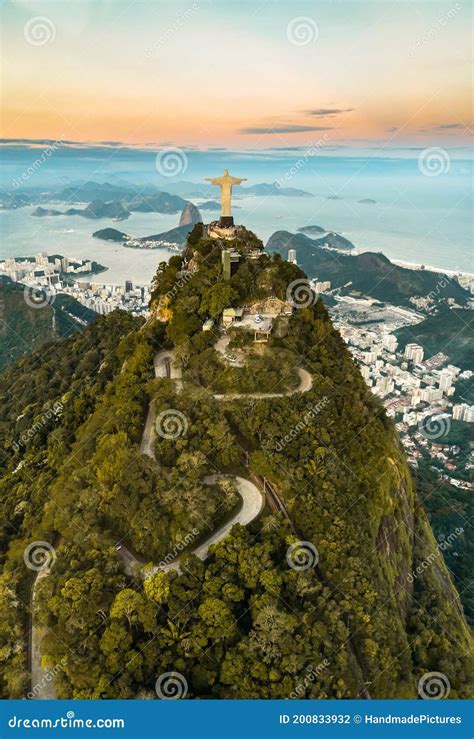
(42,685)
(305,384)
(252,505)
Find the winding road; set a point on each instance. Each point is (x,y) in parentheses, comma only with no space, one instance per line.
(253,500)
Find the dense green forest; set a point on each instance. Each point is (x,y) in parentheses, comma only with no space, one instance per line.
(28,324)
(450,331)
(242,623)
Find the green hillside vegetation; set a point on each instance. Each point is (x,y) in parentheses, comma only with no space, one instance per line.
(243,623)
(369,273)
(450,510)
(24,328)
(450,331)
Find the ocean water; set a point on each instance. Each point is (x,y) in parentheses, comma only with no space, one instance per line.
(416,218)
(71,236)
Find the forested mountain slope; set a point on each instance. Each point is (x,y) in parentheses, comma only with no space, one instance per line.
(255,618)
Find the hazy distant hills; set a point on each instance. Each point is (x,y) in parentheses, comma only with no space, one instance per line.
(284,240)
(211,205)
(25,328)
(274,189)
(95,209)
(190,215)
(368,273)
(312,230)
(161,202)
(176,236)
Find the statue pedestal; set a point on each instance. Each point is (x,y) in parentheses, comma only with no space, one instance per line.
(226,221)
(216,230)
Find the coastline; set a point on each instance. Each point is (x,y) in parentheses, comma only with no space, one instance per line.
(430,268)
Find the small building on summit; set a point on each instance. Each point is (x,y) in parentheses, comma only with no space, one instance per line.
(271,306)
(232,316)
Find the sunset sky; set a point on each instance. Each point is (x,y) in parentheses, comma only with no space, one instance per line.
(236,74)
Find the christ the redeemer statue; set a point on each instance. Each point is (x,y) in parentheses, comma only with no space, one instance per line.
(226,182)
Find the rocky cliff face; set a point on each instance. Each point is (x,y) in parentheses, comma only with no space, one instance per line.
(190,215)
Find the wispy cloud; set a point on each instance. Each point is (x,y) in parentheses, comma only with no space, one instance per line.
(290,128)
(321,112)
(444,126)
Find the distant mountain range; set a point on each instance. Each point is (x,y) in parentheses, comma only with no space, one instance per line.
(146,199)
(161,202)
(369,273)
(211,205)
(275,190)
(95,209)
